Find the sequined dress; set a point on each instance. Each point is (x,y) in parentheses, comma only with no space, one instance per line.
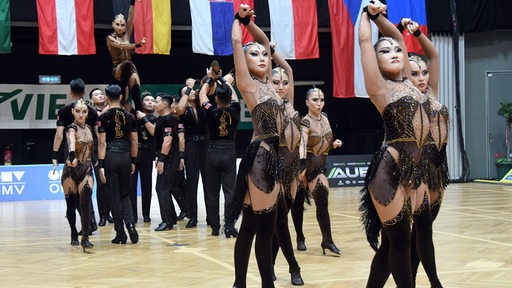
(289,145)
(406,126)
(320,139)
(84,148)
(434,162)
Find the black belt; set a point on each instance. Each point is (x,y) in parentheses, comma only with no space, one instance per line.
(146,146)
(221,144)
(197,138)
(119,146)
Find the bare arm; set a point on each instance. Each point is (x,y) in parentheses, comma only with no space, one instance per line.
(432,55)
(102,146)
(243,78)
(57,139)
(129,25)
(70,137)
(373,81)
(182,105)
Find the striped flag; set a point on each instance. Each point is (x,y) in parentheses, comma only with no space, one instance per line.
(348,80)
(211,26)
(66,27)
(152,20)
(414,9)
(294,28)
(5,27)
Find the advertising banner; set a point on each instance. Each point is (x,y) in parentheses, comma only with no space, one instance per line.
(24,106)
(347,170)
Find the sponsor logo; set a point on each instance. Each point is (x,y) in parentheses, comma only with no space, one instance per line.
(11,182)
(54,185)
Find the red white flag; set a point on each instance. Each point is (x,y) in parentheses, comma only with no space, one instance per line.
(294,28)
(66,27)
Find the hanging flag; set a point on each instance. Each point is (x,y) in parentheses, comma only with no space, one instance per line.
(66,27)
(152,20)
(246,36)
(348,80)
(211,26)
(414,9)
(294,28)
(5,27)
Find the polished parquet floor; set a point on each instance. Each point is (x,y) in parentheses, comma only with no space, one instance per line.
(472,235)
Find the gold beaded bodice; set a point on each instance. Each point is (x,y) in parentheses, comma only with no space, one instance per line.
(290,133)
(320,136)
(267,115)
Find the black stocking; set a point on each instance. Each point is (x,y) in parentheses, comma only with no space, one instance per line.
(379,271)
(265,227)
(422,240)
(321,196)
(298,212)
(135,94)
(71,206)
(282,236)
(243,246)
(399,256)
(85,207)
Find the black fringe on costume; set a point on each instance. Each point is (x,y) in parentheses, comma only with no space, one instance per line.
(274,166)
(435,168)
(369,216)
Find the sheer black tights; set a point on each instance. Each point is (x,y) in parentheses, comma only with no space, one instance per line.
(261,224)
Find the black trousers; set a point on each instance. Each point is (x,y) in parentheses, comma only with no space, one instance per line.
(164,186)
(117,171)
(195,159)
(220,171)
(144,167)
(101,195)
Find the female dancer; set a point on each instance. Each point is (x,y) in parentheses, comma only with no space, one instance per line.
(425,76)
(317,140)
(395,173)
(120,49)
(282,80)
(258,176)
(77,174)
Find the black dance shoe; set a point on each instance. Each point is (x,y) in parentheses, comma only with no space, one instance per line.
(191,223)
(86,244)
(331,247)
(103,221)
(110,219)
(147,219)
(296,279)
(215,232)
(163,226)
(120,238)
(74,240)
(182,216)
(301,245)
(134,236)
(231,232)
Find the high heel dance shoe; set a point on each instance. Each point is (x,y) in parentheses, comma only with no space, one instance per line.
(301,245)
(331,247)
(120,238)
(231,232)
(86,244)
(134,236)
(296,279)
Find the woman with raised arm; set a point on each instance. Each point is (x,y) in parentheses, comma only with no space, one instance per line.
(425,76)
(77,180)
(258,175)
(282,80)
(317,141)
(394,178)
(120,49)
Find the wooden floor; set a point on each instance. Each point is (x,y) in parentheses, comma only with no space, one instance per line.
(472,235)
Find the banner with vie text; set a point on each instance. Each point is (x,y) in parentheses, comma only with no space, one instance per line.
(26,106)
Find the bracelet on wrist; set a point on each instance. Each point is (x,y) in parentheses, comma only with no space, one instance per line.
(101,163)
(245,20)
(145,120)
(372,17)
(417,33)
(71,156)
(222,80)
(162,157)
(272,51)
(182,154)
(400,27)
(187,91)
(138,45)
(134,160)
(302,165)
(208,80)
(54,155)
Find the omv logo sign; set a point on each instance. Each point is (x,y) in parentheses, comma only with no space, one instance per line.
(11,182)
